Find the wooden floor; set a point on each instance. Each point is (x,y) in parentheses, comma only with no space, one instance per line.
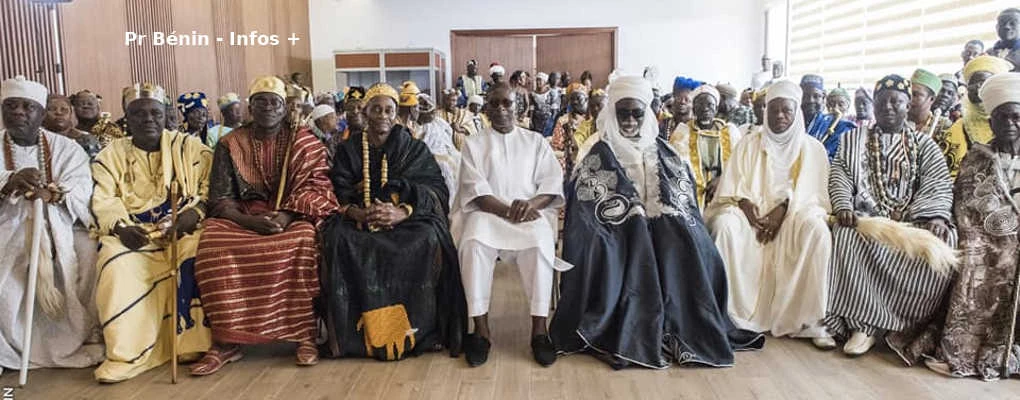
(786,369)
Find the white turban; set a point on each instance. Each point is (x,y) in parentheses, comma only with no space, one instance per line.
(542,76)
(21,87)
(783,148)
(1000,89)
(476,99)
(497,69)
(628,151)
(321,111)
(634,87)
(706,88)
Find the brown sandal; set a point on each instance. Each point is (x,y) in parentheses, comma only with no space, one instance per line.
(215,359)
(307,354)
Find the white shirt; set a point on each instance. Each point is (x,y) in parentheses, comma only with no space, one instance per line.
(515,166)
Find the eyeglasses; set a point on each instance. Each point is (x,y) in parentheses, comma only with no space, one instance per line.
(623,114)
(263,102)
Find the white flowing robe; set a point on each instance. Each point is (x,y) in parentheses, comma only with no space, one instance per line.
(781,286)
(56,342)
(517,165)
(438,136)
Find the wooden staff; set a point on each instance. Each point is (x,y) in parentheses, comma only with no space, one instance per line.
(33,275)
(1012,324)
(174,258)
(295,124)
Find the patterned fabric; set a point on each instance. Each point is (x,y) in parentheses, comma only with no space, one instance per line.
(258,288)
(873,287)
(979,310)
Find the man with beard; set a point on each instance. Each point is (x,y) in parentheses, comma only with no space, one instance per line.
(510,216)
(41,165)
(649,287)
(827,128)
(705,142)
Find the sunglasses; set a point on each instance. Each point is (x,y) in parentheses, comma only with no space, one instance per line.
(623,114)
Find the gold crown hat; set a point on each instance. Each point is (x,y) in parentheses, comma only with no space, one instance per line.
(143,90)
(268,84)
(409,94)
(382,89)
(228,99)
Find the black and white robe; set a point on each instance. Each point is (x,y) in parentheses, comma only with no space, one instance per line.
(874,288)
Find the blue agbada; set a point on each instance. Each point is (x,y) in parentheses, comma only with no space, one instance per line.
(822,129)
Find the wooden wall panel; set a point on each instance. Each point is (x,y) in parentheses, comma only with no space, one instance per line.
(27,47)
(96,58)
(229,60)
(513,52)
(576,53)
(196,69)
(258,60)
(150,63)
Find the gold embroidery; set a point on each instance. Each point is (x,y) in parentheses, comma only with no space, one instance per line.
(692,145)
(386,327)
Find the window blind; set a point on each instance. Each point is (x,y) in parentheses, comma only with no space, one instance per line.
(856,42)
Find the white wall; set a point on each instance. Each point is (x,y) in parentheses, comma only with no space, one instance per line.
(710,40)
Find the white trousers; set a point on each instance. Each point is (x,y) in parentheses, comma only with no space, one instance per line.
(477,262)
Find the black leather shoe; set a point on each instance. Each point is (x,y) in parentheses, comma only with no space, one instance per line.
(543,350)
(476,350)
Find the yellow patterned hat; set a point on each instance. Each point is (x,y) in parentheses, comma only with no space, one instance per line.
(409,94)
(268,84)
(382,89)
(228,99)
(144,90)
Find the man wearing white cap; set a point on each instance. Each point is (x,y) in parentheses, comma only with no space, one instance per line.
(325,127)
(635,295)
(980,307)
(705,141)
(440,138)
(39,164)
(478,120)
(131,203)
(769,222)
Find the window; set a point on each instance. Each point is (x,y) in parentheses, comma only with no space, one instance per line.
(856,42)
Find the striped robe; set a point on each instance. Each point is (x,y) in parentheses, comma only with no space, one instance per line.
(872,287)
(256,288)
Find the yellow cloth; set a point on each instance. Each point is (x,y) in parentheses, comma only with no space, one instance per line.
(972,128)
(988,63)
(409,94)
(584,131)
(688,145)
(133,293)
(125,177)
(133,297)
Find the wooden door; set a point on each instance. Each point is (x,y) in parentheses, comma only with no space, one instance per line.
(576,53)
(513,52)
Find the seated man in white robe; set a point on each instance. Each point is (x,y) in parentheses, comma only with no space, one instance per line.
(768,220)
(511,187)
(39,164)
(439,137)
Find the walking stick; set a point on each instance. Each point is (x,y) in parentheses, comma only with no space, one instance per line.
(1012,324)
(33,275)
(173,279)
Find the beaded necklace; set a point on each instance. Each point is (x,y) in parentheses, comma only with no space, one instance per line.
(280,148)
(366,184)
(44,156)
(895,207)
